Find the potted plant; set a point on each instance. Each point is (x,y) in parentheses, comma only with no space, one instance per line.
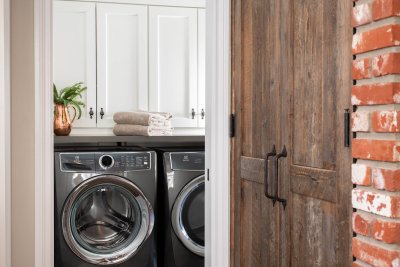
(64,99)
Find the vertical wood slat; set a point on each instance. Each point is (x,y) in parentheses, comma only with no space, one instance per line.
(315,176)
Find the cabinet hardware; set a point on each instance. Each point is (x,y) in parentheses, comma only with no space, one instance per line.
(91,113)
(101,113)
(266,170)
(203,114)
(232,126)
(193,113)
(346,128)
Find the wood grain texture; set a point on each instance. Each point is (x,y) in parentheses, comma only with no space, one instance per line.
(236,59)
(313,232)
(316,183)
(314,84)
(259,239)
(291,82)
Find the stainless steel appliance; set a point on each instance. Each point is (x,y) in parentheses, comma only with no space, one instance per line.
(104,208)
(183,186)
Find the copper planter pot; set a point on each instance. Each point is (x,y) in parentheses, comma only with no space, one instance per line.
(62,120)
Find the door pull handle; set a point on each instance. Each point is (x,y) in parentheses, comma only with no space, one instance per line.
(283,154)
(266,169)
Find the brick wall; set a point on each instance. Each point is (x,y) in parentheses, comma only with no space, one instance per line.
(376,132)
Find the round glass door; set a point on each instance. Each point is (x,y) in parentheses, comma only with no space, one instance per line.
(106,219)
(188,216)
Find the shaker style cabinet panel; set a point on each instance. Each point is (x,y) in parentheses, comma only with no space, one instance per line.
(173,63)
(131,57)
(122,69)
(201,81)
(74,52)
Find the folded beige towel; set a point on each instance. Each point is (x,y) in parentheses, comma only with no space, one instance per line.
(143,118)
(129,129)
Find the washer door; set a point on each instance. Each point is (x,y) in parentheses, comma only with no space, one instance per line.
(106,219)
(188,216)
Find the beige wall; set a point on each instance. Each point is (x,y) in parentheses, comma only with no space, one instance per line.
(22,134)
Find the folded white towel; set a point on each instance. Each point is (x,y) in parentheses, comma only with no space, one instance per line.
(129,129)
(143,118)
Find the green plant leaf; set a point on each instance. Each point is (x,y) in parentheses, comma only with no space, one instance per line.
(68,96)
(78,107)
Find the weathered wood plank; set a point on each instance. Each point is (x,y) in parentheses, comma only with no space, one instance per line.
(313,182)
(314,232)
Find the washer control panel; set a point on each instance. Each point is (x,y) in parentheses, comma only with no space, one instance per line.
(123,161)
(105,161)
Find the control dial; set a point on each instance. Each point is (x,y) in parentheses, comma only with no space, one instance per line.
(106,162)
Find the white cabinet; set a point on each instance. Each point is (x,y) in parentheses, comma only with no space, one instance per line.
(74,52)
(131,57)
(173,63)
(121,60)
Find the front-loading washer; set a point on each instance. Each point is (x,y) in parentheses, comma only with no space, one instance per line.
(182,223)
(104,208)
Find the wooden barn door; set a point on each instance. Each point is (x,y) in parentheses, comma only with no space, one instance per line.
(291,81)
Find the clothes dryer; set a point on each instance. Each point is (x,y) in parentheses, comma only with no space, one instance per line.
(183,186)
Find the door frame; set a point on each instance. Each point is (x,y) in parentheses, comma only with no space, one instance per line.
(5,153)
(217,134)
(218,153)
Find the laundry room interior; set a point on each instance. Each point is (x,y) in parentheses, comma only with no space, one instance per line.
(129,133)
(191,133)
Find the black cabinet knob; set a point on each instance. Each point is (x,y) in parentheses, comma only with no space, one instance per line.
(101,113)
(91,113)
(193,113)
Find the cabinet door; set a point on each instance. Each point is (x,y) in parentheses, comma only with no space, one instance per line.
(121,60)
(173,63)
(74,52)
(201,83)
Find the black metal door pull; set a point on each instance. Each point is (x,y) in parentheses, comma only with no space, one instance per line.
(283,154)
(275,198)
(266,170)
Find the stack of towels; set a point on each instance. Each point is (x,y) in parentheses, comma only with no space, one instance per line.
(142,123)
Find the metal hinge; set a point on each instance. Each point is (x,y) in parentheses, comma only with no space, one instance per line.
(232,126)
(346,128)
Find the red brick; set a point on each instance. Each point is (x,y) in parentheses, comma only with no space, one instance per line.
(357,264)
(361,224)
(386,121)
(385,64)
(362,14)
(361,174)
(374,254)
(385,8)
(388,232)
(381,37)
(376,94)
(376,202)
(382,150)
(386,179)
(361,69)
(360,121)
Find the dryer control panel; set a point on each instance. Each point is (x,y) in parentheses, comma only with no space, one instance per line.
(187,161)
(105,161)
